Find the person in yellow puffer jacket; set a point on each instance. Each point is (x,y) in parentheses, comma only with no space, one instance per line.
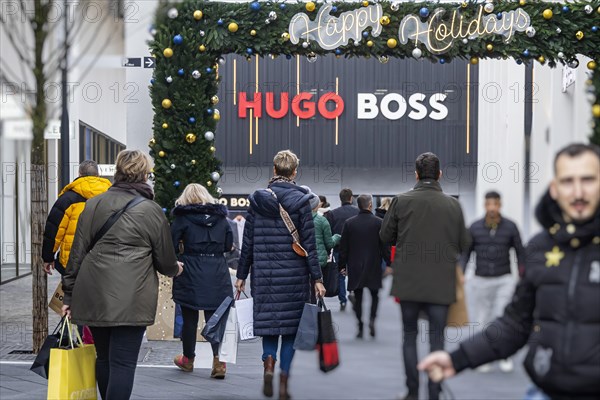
(62,220)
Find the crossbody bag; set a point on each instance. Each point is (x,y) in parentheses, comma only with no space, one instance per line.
(287,220)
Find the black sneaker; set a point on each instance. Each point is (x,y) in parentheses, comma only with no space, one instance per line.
(342,307)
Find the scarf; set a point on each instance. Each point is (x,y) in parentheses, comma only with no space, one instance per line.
(279,178)
(141,187)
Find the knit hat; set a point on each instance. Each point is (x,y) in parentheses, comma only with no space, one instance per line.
(314,199)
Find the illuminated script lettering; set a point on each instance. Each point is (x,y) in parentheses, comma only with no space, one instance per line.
(331,32)
(439,32)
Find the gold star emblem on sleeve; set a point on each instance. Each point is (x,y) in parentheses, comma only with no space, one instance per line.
(553,257)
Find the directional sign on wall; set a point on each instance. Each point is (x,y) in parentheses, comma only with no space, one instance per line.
(132,62)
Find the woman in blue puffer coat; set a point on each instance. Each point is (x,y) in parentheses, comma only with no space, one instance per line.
(280,278)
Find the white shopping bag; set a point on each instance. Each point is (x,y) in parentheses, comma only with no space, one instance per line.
(229,344)
(245,316)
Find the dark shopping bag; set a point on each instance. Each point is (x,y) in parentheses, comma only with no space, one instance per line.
(42,360)
(326,344)
(214,330)
(177,322)
(308,331)
(331,279)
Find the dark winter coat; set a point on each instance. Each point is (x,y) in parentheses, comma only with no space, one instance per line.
(116,283)
(555,311)
(428,229)
(338,217)
(204,233)
(380,212)
(279,277)
(325,240)
(361,251)
(492,247)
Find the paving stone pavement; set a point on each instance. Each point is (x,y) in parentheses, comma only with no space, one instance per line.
(370,369)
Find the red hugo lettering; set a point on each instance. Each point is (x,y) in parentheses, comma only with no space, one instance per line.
(302,105)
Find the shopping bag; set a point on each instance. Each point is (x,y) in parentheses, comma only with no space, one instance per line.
(72,370)
(42,360)
(245,317)
(457,312)
(56,302)
(177,322)
(306,337)
(215,327)
(326,343)
(229,344)
(331,278)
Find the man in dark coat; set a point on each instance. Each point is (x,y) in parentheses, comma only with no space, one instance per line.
(337,218)
(280,276)
(428,229)
(361,252)
(554,309)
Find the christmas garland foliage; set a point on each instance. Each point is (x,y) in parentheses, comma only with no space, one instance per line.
(191,37)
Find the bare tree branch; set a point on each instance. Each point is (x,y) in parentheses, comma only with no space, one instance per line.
(14,43)
(104,45)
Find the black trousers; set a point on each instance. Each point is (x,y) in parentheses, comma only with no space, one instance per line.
(117,350)
(190,327)
(438,315)
(358,303)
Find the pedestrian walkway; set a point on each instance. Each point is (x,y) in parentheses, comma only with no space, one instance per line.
(370,369)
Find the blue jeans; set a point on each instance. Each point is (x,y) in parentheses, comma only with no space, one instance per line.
(534,393)
(341,281)
(270,345)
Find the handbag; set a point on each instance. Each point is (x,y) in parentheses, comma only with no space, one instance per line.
(42,360)
(306,336)
(245,316)
(326,343)
(331,278)
(73,370)
(287,220)
(229,345)
(214,330)
(457,312)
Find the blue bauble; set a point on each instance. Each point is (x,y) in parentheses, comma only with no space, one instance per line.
(499,16)
(165,210)
(334,9)
(192,120)
(424,12)
(594,29)
(209,70)
(249,50)
(176,183)
(178,39)
(180,72)
(365,34)
(526,53)
(220,22)
(519,62)
(338,52)
(288,56)
(255,6)
(282,6)
(152,81)
(209,111)
(565,9)
(442,61)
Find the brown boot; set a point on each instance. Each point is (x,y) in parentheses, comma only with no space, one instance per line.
(184,363)
(269,364)
(283,387)
(218,369)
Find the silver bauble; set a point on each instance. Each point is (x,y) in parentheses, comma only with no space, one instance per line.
(221,61)
(395,6)
(220,192)
(196,74)
(574,63)
(588,9)
(217,112)
(312,58)
(417,53)
(530,31)
(305,44)
(357,43)
(208,135)
(384,59)
(169,79)
(173,166)
(465,41)
(558,31)
(489,7)
(172,13)
(267,21)
(561,55)
(153,31)
(215,176)
(202,33)
(273,15)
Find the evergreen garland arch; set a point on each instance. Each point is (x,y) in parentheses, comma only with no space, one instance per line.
(192,36)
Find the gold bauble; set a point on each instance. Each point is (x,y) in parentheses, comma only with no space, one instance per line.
(190,138)
(233,27)
(541,59)
(474,60)
(168,52)
(579,35)
(202,48)
(310,6)
(214,99)
(365,3)
(208,183)
(165,125)
(489,47)
(285,36)
(166,103)
(598,10)
(370,43)
(522,2)
(391,43)
(213,149)
(197,15)
(216,116)
(547,14)
(161,153)
(464,4)
(253,32)
(596,110)
(385,20)
(193,162)
(152,142)
(592,65)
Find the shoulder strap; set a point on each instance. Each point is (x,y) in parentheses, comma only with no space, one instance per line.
(286,219)
(113,218)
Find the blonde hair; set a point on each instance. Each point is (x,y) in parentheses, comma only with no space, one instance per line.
(285,163)
(194,193)
(132,166)
(385,203)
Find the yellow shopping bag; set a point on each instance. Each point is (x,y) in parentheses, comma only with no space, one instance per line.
(72,372)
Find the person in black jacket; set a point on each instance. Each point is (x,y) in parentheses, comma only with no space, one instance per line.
(554,309)
(493,284)
(280,275)
(337,218)
(201,235)
(361,252)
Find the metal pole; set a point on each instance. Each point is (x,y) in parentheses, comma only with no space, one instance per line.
(64,119)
